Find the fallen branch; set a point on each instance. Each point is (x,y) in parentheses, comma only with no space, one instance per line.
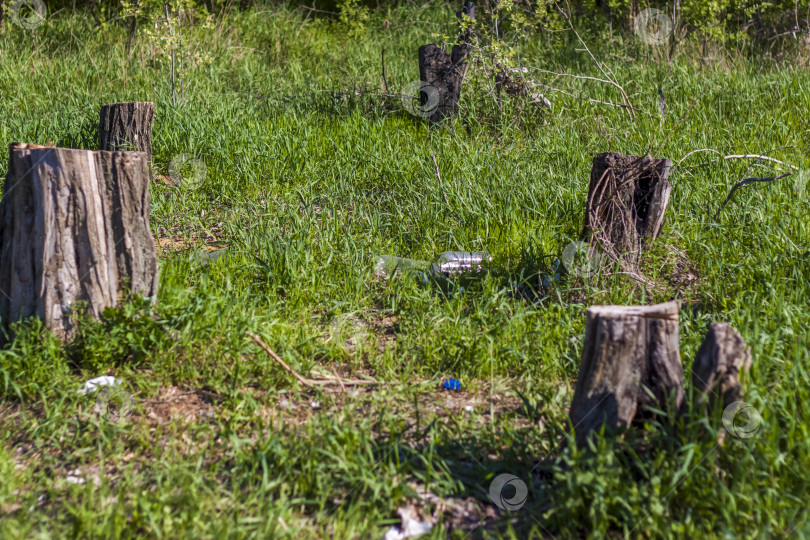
(584,77)
(738,156)
(588,99)
(696,152)
(757,156)
(311,383)
(746,181)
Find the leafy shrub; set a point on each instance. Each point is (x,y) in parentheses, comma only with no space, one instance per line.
(129,333)
(353,17)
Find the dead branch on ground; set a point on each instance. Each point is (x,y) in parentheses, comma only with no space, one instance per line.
(311,383)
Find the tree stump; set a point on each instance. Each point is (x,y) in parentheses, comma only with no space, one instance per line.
(445,72)
(627,198)
(631,361)
(718,363)
(74,227)
(127,126)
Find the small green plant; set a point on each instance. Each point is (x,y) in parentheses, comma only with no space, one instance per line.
(128,333)
(353,17)
(164,31)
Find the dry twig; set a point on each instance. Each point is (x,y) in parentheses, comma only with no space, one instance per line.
(746,181)
(441,186)
(311,383)
(740,156)
(610,80)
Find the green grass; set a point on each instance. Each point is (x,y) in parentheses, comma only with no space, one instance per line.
(306,183)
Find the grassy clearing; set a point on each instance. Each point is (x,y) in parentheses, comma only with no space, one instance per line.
(306,183)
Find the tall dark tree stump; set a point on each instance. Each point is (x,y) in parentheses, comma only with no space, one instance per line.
(631,361)
(446,72)
(74,227)
(722,357)
(627,198)
(127,126)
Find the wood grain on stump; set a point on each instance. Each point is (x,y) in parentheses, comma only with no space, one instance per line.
(627,198)
(446,72)
(74,227)
(127,126)
(631,361)
(722,356)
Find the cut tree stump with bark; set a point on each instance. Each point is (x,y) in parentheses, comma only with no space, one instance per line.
(74,227)
(631,361)
(627,198)
(127,126)
(722,356)
(445,72)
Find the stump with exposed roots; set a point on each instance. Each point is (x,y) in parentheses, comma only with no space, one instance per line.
(627,198)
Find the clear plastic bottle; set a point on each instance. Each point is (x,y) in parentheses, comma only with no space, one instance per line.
(387,265)
(456,262)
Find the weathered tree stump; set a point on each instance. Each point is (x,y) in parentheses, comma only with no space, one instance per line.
(127,126)
(74,227)
(445,72)
(722,356)
(627,198)
(631,361)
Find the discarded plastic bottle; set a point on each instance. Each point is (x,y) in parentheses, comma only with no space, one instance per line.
(387,265)
(448,262)
(208,257)
(456,262)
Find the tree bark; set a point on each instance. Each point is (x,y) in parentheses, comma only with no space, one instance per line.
(446,72)
(74,227)
(722,356)
(631,361)
(127,126)
(627,198)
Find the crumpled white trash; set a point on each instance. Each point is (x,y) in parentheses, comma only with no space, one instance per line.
(411,526)
(94,384)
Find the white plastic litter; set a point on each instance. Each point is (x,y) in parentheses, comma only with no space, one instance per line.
(33,506)
(94,384)
(469,408)
(74,478)
(285,404)
(411,526)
